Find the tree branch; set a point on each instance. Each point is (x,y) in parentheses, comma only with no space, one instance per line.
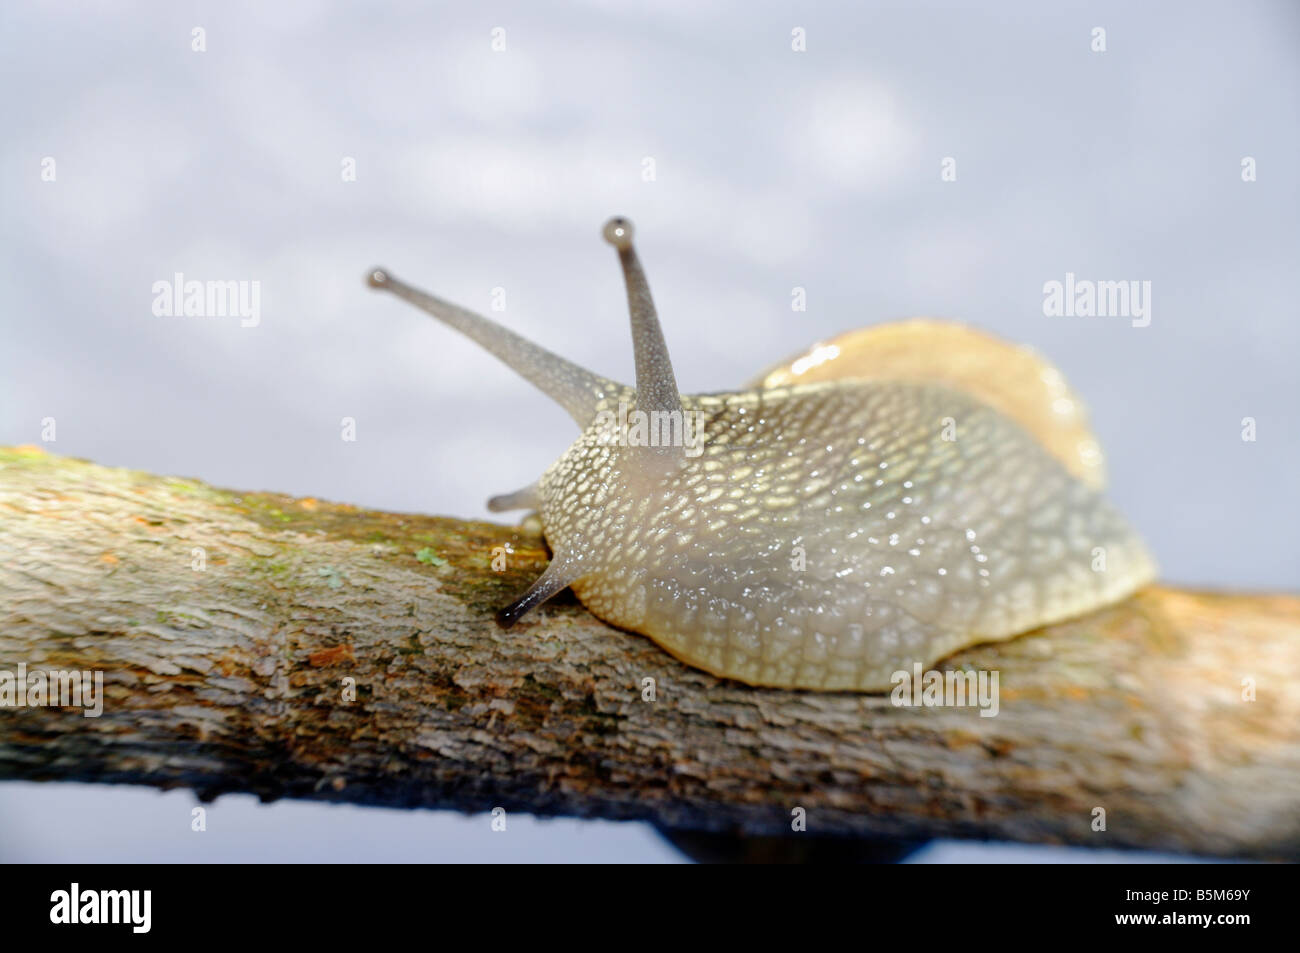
(232,677)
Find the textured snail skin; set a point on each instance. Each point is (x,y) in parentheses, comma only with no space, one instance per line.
(913,545)
(821,535)
(1010,378)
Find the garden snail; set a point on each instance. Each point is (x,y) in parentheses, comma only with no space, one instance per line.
(885,499)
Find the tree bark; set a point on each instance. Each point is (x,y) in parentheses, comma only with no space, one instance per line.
(228,627)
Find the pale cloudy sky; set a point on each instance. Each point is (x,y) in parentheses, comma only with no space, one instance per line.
(774,169)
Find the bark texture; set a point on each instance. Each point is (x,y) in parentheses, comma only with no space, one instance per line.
(235,676)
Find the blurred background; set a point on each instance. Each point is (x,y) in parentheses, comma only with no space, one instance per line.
(476,150)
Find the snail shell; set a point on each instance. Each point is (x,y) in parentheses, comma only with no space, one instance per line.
(885,499)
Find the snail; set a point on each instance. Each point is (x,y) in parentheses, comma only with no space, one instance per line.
(884,499)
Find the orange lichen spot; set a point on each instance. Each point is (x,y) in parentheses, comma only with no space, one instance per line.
(962,739)
(332,656)
(29,450)
(307,503)
(109,559)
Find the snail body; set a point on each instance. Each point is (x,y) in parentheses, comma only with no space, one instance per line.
(822,534)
